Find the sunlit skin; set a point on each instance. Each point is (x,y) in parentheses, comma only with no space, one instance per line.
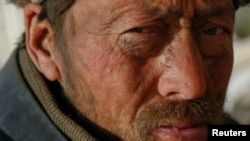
(125,55)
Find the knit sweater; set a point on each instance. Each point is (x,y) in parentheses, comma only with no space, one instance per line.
(29,110)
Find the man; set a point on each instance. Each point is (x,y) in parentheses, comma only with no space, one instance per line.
(129,70)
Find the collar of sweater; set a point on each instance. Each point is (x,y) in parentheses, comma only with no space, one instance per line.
(38,84)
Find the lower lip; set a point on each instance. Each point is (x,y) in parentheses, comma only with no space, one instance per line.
(198,133)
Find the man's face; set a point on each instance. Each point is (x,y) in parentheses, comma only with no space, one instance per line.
(152,69)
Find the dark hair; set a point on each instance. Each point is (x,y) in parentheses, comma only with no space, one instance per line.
(239,3)
(22,3)
(54,11)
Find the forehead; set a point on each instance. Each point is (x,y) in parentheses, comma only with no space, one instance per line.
(163,4)
(183,3)
(188,5)
(111,7)
(106,14)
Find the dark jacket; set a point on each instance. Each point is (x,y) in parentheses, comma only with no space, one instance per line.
(21,115)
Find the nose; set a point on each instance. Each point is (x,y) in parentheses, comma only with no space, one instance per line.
(183,77)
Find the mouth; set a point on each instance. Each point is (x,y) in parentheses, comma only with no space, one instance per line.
(184,132)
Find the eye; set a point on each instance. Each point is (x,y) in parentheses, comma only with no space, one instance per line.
(141,41)
(138,30)
(213,40)
(144,30)
(213,31)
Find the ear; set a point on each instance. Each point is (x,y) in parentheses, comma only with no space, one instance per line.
(40,42)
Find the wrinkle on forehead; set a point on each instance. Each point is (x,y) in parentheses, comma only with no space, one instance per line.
(188,8)
(110,13)
(177,8)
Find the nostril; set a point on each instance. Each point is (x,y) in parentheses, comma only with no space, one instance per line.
(176,96)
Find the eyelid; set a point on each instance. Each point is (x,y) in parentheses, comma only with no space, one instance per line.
(141,41)
(147,29)
(207,26)
(219,30)
(141,30)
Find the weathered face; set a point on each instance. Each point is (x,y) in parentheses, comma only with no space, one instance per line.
(152,69)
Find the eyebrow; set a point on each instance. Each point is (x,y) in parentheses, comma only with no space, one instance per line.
(214,12)
(198,13)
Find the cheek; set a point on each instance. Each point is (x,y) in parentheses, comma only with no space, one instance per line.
(218,58)
(111,82)
(218,74)
(108,74)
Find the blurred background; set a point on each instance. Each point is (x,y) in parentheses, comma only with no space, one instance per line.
(11,27)
(238,94)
